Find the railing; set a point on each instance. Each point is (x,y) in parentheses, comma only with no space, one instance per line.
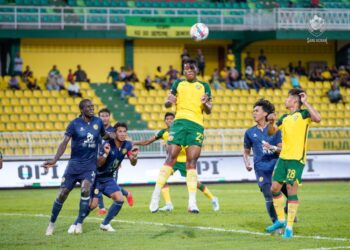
(35,145)
(94,18)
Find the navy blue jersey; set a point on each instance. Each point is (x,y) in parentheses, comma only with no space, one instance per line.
(253,137)
(114,159)
(84,145)
(109,129)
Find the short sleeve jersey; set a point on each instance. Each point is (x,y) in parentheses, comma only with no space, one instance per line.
(113,160)
(294,128)
(164,135)
(263,159)
(188,103)
(84,145)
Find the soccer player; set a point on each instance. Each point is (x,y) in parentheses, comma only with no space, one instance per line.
(110,157)
(105,115)
(265,151)
(192,98)
(179,165)
(85,132)
(294,127)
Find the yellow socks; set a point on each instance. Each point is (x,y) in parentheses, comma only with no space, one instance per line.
(163,176)
(166,194)
(278,203)
(191,180)
(293,204)
(205,191)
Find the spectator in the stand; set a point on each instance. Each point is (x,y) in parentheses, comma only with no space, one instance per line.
(251,80)
(80,75)
(13,83)
(343,77)
(60,82)
(127,90)
(26,73)
(173,75)
(230,59)
(160,78)
(54,71)
(70,76)
(262,58)
(314,3)
(334,94)
(18,65)
(300,70)
(334,72)
(122,74)
(32,82)
(326,75)
(148,83)
(73,89)
(249,61)
(290,68)
(131,75)
(223,74)
(185,56)
(268,78)
(51,82)
(200,62)
(316,75)
(215,79)
(114,75)
(281,77)
(294,80)
(234,80)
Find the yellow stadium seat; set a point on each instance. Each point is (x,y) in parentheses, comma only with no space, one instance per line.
(70,117)
(19,94)
(62,117)
(33,117)
(29,126)
(10,126)
(2,127)
(37,109)
(56,109)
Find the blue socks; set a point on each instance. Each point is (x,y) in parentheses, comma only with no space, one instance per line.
(100,202)
(124,192)
(84,209)
(56,208)
(266,190)
(113,211)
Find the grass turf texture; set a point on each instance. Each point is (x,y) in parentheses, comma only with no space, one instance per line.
(323,211)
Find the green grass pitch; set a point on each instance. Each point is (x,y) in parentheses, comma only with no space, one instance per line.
(324,220)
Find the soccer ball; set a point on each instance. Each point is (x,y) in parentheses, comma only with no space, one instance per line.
(199,31)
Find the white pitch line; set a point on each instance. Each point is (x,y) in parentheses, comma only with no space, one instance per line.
(216,229)
(326,248)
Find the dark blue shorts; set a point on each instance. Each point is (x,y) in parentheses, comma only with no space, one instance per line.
(69,179)
(263,177)
(106,187)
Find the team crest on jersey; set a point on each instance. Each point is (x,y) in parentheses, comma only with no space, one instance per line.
(95,126)
(124,151)
(198,86)
(261,179)
(170,138)
(96,191)
(295,117)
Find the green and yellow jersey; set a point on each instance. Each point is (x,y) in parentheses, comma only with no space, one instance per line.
(164,135)
(294,128)
(188,99)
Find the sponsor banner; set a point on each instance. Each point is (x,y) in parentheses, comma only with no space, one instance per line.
(159,27)
(210,169)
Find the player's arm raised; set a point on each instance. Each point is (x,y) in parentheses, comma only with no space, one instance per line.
(102,158)
(132,155)
(145,142)
(60,151)
(314,114)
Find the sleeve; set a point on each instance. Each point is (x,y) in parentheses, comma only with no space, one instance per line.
(160,134)
(305,113)
(174,87)
(70,129)
(101,150)
(102,131)
(247,141)
(208,90)
(280,120)
(278,137)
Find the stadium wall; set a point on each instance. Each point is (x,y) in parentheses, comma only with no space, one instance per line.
(230,168)
(96,56)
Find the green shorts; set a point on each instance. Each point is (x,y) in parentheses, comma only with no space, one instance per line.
(288,171)
(181,166)
(186,133)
